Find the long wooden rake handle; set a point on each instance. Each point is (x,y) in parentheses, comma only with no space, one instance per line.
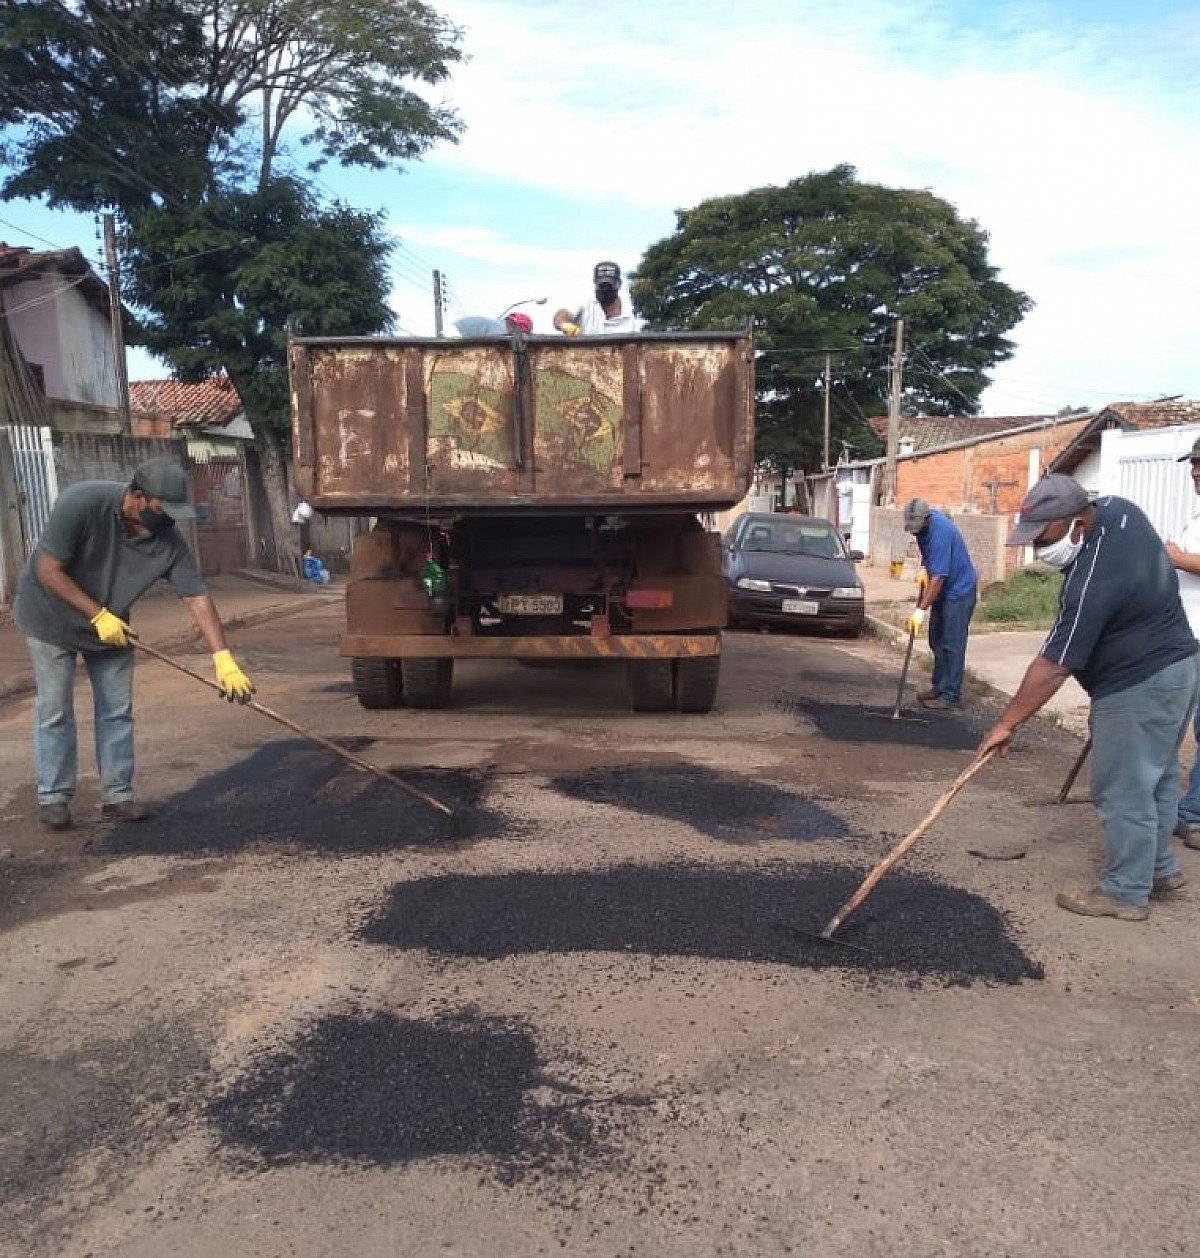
(357,761)
(869,882)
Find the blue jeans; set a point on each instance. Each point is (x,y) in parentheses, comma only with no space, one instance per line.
(1189,804)
(949,622)
(54,742)
(1136,735)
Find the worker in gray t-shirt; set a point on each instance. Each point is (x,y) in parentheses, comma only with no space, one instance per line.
(104,546)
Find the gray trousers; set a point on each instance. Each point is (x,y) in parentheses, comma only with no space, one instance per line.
(1136,735)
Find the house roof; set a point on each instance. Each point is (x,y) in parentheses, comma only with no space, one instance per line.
(934,432)
(211,403)
(1131,417)
(19,264)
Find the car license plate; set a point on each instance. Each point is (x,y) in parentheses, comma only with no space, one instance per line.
(531,604)
(800,607)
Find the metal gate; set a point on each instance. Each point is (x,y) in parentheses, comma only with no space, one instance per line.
(1144,467)
(219,493)
(37,479)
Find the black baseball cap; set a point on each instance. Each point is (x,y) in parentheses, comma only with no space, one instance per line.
(606,271)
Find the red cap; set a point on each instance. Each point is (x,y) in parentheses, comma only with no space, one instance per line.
(521,320)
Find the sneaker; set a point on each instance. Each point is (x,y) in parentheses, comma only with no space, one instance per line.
(1164,884)
(1089,902)
(126,810)
(54,816)
(937,704)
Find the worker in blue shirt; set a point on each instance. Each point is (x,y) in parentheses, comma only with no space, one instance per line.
(946,600)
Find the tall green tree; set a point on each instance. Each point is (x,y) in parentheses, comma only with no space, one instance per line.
(201,124)
(827,263)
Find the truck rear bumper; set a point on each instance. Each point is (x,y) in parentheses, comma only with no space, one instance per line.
(644,646)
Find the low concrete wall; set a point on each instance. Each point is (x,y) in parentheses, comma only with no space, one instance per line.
(983,534)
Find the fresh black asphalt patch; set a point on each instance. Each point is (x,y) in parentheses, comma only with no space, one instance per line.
(384,1090)
(862,723)
(724,806)
(291,793)
(912,923)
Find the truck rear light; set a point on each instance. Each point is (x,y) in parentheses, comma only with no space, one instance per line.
(649,600)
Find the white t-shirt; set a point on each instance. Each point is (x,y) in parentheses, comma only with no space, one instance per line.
(593,321)
(1189,583)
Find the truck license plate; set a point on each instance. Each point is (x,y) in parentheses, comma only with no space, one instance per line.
(800,607)
(531,604)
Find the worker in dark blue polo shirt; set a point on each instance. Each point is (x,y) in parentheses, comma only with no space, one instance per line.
(1122,633)
(947,599)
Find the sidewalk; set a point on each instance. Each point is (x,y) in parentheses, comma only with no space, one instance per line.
(996,657)
(242,598)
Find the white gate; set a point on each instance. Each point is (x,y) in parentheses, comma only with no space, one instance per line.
(37,479)
(1144,467)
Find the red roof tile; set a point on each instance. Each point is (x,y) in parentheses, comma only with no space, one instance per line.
(208,403)
(933,432)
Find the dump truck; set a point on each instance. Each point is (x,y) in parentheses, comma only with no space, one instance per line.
(535,498)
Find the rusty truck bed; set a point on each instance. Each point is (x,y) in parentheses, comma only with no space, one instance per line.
(497,424)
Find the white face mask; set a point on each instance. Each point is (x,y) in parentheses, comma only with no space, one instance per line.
(1062,553)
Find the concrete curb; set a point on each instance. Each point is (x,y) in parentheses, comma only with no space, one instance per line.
(22,687)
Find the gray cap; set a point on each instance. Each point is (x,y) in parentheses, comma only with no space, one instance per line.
(916,513)
(1054,497)
(1195,454)
(166,480)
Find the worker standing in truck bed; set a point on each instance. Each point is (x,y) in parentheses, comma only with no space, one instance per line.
(607,314)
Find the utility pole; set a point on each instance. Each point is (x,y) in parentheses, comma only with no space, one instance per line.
(893,437)
(438,303)
(828,383)
(118,329)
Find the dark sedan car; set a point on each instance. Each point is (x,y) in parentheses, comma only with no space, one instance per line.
(794,570)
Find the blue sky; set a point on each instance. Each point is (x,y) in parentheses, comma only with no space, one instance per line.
(1069,130)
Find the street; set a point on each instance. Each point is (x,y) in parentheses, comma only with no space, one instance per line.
(297,1012)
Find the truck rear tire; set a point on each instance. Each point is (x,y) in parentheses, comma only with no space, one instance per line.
(696,683)
(651,685)
(427,681)
(377,682)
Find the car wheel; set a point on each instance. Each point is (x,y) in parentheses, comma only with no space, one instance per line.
(651,685)
(696,683)
(427,682)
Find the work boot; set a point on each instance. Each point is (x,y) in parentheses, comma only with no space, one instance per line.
(125,810)
(1088,902)
(1164,884)
(54,816)
(1188,834)
(937,704)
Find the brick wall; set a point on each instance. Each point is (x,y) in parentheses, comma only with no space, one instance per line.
(956,480)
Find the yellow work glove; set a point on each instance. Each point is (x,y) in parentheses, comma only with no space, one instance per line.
(922,580)
(110,629)
(235,685)
(569,329)
(916,622)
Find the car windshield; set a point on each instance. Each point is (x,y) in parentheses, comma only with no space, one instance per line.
(794,538)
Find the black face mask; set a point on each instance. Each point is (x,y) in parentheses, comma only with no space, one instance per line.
(606,294)
(155,522)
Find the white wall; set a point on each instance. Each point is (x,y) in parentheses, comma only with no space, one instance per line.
(65,334)
(1144,467)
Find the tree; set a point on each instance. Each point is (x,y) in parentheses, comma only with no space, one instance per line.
(186,119)
(828,264)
